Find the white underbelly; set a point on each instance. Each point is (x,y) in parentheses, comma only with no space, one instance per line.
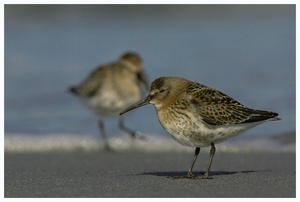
(196,133)
(109,104)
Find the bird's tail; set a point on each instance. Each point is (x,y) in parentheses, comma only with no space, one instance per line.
(265,115)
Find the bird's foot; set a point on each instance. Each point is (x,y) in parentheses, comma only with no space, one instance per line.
(108,148)
(138,135)
(191,176)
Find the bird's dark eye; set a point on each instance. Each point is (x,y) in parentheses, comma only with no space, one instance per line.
(161,91)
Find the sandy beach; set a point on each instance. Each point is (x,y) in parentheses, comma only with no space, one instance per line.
(144,174)
(52,142)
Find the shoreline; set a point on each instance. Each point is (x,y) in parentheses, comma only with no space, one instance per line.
(21,143)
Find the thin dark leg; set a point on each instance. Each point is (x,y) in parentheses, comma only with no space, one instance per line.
(133,134)
(103,135)
(211,156)
(190,171)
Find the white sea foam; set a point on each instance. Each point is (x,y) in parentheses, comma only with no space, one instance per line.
(153,143)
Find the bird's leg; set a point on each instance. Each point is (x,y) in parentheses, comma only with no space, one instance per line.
(190,171)
(211,156)
(133,134)
(103,135)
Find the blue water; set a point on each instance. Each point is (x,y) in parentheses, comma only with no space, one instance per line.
(248,52)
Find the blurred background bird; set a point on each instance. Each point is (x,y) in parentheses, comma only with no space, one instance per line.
(111,88)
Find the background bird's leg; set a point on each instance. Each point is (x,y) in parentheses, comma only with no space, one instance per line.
(103,135)
(132,133)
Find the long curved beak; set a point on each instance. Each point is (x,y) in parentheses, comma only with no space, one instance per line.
(140,103)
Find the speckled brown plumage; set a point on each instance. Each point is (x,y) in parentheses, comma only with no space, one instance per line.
(198,116)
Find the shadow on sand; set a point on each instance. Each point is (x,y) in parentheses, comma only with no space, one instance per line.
(212,173)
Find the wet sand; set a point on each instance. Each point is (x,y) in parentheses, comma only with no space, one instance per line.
(143,174)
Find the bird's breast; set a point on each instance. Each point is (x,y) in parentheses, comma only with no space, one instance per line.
(187,128)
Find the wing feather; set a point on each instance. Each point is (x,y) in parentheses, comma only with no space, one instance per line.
(217,108)
(91,84)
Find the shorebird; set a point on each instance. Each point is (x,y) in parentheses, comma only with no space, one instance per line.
(199,116)
(112,87)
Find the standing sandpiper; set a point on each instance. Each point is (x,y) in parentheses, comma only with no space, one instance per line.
(113,87)
(199,116)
